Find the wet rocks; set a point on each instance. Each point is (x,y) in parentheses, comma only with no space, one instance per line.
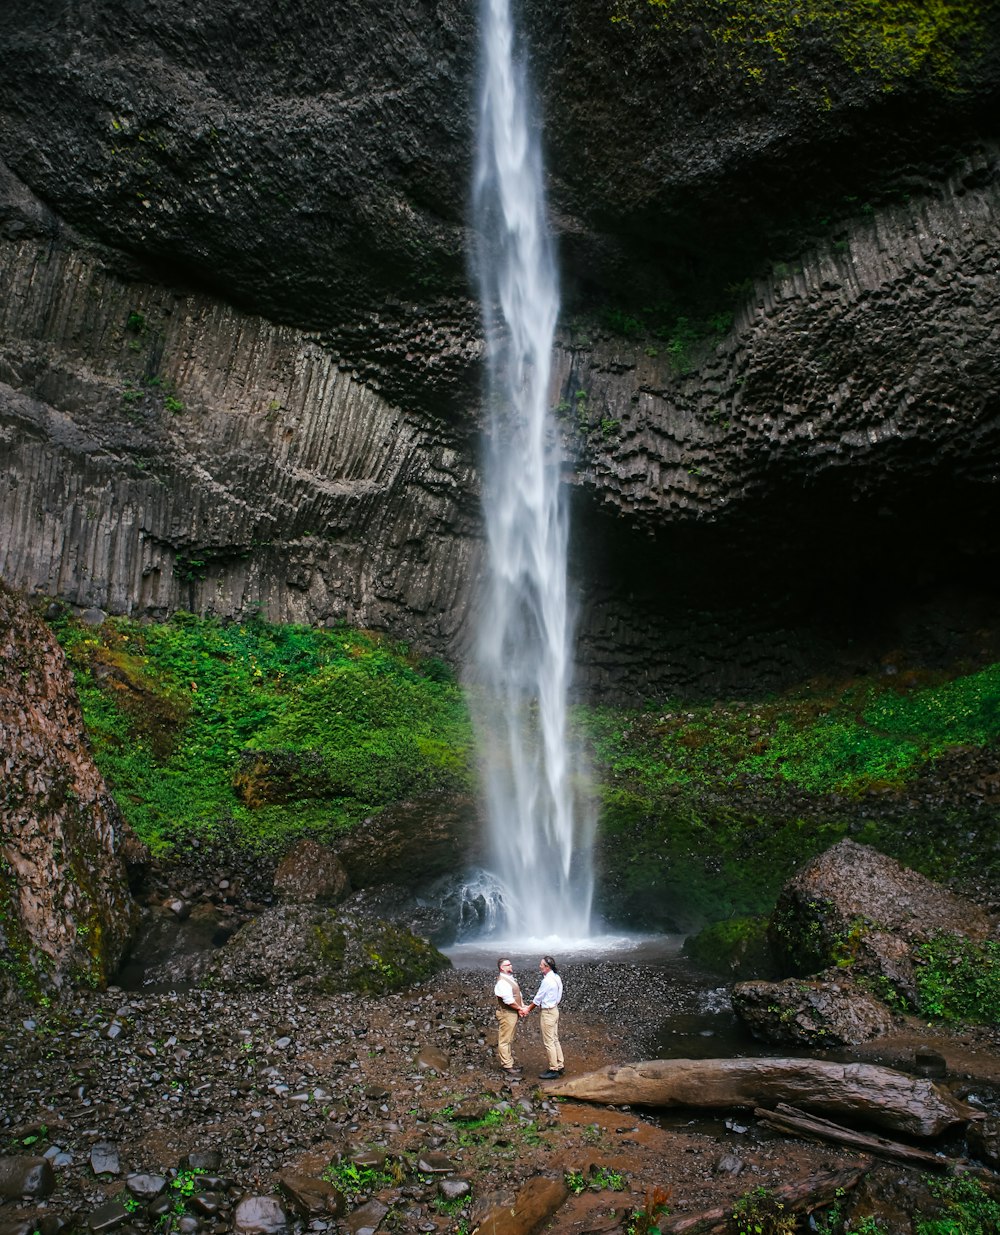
(63,881)
(810,1013)
(312,1196)
(23,1175)
(853,906)
(311,872)
(316,949)
(260,1215)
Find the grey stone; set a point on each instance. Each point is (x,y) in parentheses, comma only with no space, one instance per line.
(729,1164)
(104,1159)
(107,1217)
(145,1186)
(203,1160)
(312,1196)
(431,1057)
(259,1215)
(454,1188)
(430,1163)
(366,1218)
(26,1176)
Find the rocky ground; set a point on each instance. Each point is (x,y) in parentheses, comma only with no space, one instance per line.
(199,1113)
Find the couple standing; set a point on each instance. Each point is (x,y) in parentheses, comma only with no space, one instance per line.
(511,1008)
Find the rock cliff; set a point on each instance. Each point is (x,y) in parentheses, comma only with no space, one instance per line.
(65,909)
(239,362)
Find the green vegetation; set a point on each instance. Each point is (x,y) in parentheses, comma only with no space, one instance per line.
(959,980)
(962,1206)
(965,1207)
(892,40)
(274,732)
(725,800)
(264,734)
(846,740)
(499,1131)
(759,1213)
(683,333)
(735,946)
(356,1181)
(598,1179)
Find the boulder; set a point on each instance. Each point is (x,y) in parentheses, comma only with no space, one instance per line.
(316,949)
(412,843)
(853,907)
(534,1205)
(810,1013)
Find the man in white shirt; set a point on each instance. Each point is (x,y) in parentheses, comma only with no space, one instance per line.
(510,1008)
(546,1000)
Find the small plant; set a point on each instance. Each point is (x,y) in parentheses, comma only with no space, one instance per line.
(356,1181)
(189,569)
(959,980)
(965,1208)
(644,1221)
(600,1179)
(173,404)
(759,1213)
(451,1207)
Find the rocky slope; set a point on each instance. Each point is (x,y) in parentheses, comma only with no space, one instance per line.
(66,913)
(240,362)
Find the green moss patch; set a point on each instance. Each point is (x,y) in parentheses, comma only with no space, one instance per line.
(892,40)
(272,731)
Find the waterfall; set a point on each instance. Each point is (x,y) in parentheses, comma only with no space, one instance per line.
(534,781)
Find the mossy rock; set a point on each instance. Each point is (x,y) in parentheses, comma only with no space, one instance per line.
(317,949)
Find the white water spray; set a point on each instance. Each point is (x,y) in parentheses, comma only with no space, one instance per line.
(540,822)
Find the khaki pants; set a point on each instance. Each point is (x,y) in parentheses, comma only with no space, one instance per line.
(549,1020)
(508,1019)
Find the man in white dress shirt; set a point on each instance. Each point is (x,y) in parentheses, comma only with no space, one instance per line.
(546,1000)
(510,1008)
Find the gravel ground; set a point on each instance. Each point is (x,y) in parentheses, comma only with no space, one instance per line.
(185,1111)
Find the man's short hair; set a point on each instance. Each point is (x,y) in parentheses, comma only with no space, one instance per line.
(501,961)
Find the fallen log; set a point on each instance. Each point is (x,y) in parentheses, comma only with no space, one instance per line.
(800,1196)
(787,1119)
(861,1092)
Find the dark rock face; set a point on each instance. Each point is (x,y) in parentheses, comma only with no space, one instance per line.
(807,472)
(855,906)
(311,872)
(66,913)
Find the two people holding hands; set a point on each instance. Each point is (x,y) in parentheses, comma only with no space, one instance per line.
(511,1008)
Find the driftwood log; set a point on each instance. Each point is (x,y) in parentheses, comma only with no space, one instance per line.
(789,1120)
(860,1092)
(801,1196)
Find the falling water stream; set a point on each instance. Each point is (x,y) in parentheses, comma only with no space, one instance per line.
(535,784)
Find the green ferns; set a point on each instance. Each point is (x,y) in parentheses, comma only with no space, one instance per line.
(847,741)
(277,731)
(959,980)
